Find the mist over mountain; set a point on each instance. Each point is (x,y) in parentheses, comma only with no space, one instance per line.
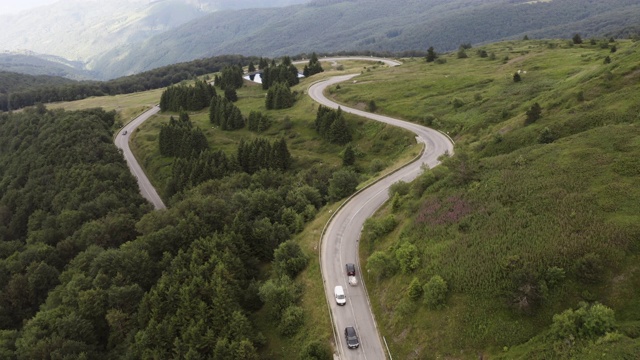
(374,25)
(123,37)
(79,30)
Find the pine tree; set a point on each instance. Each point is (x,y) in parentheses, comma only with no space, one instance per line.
(431,55)
(533,114)
(349,156)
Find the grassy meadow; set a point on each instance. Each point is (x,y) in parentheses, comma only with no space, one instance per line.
(516,203)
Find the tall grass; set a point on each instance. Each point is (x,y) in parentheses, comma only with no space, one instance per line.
(522,207)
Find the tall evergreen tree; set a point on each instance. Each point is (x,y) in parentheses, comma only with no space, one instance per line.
(431,54)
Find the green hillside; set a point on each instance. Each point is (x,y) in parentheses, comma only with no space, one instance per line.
(531,217)
(523,245)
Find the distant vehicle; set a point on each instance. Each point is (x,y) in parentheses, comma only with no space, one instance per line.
(124,132)
(352,337)
(341,298)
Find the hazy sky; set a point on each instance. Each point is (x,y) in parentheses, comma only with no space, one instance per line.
(14,6)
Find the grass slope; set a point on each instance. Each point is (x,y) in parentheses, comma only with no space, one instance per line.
(495,218)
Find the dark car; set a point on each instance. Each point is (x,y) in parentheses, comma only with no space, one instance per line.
(351,269)
(352,338)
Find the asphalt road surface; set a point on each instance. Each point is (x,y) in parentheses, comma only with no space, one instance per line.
(122,142)
(342,234)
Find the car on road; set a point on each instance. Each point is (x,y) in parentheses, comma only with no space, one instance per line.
(338,293)
(124,132)
(352,337)
(351,273)
(351,269)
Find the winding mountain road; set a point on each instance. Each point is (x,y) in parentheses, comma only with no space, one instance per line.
(341,236)
(122,142)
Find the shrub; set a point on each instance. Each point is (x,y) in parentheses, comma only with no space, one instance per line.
(457,103)
(316,350)
(577,39)
(589,268)
(349,156)
(381,265)
(435,292)
(289,259)
(516,77)
(279,294)
(377,165)
(342,184)
(408,257)
(554,276)
(402,188)
(533,114)
(375,228)
(586,322)
(292,320)
(546,136)
(415,289)
(371,106)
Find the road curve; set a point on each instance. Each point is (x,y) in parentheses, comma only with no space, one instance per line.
(334,59)
(122,142)
(341,236)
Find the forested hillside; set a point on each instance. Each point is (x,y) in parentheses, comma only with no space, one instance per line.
(15,94)
(15,82)
(525,243)
(64,189)
(84,276)
(371,25)
(31,63)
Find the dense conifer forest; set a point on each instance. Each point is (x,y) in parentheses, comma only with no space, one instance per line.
(88,271)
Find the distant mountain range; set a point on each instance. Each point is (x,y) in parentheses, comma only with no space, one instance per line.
(28,62)
(169,31)
(80,30)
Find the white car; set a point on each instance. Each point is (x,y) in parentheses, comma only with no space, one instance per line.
(341,298)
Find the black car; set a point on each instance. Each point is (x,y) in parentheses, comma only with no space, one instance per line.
(351,269)
(352,338)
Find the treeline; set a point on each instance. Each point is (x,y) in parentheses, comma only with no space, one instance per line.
(148,80)
(190,98)
(12,82)
(250,157)
(187,172)
(230,77)
(258,122)
(331,125)
(285,72)
(261,154)
(313,67)
(279,96)
(225,114)
(180,139)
